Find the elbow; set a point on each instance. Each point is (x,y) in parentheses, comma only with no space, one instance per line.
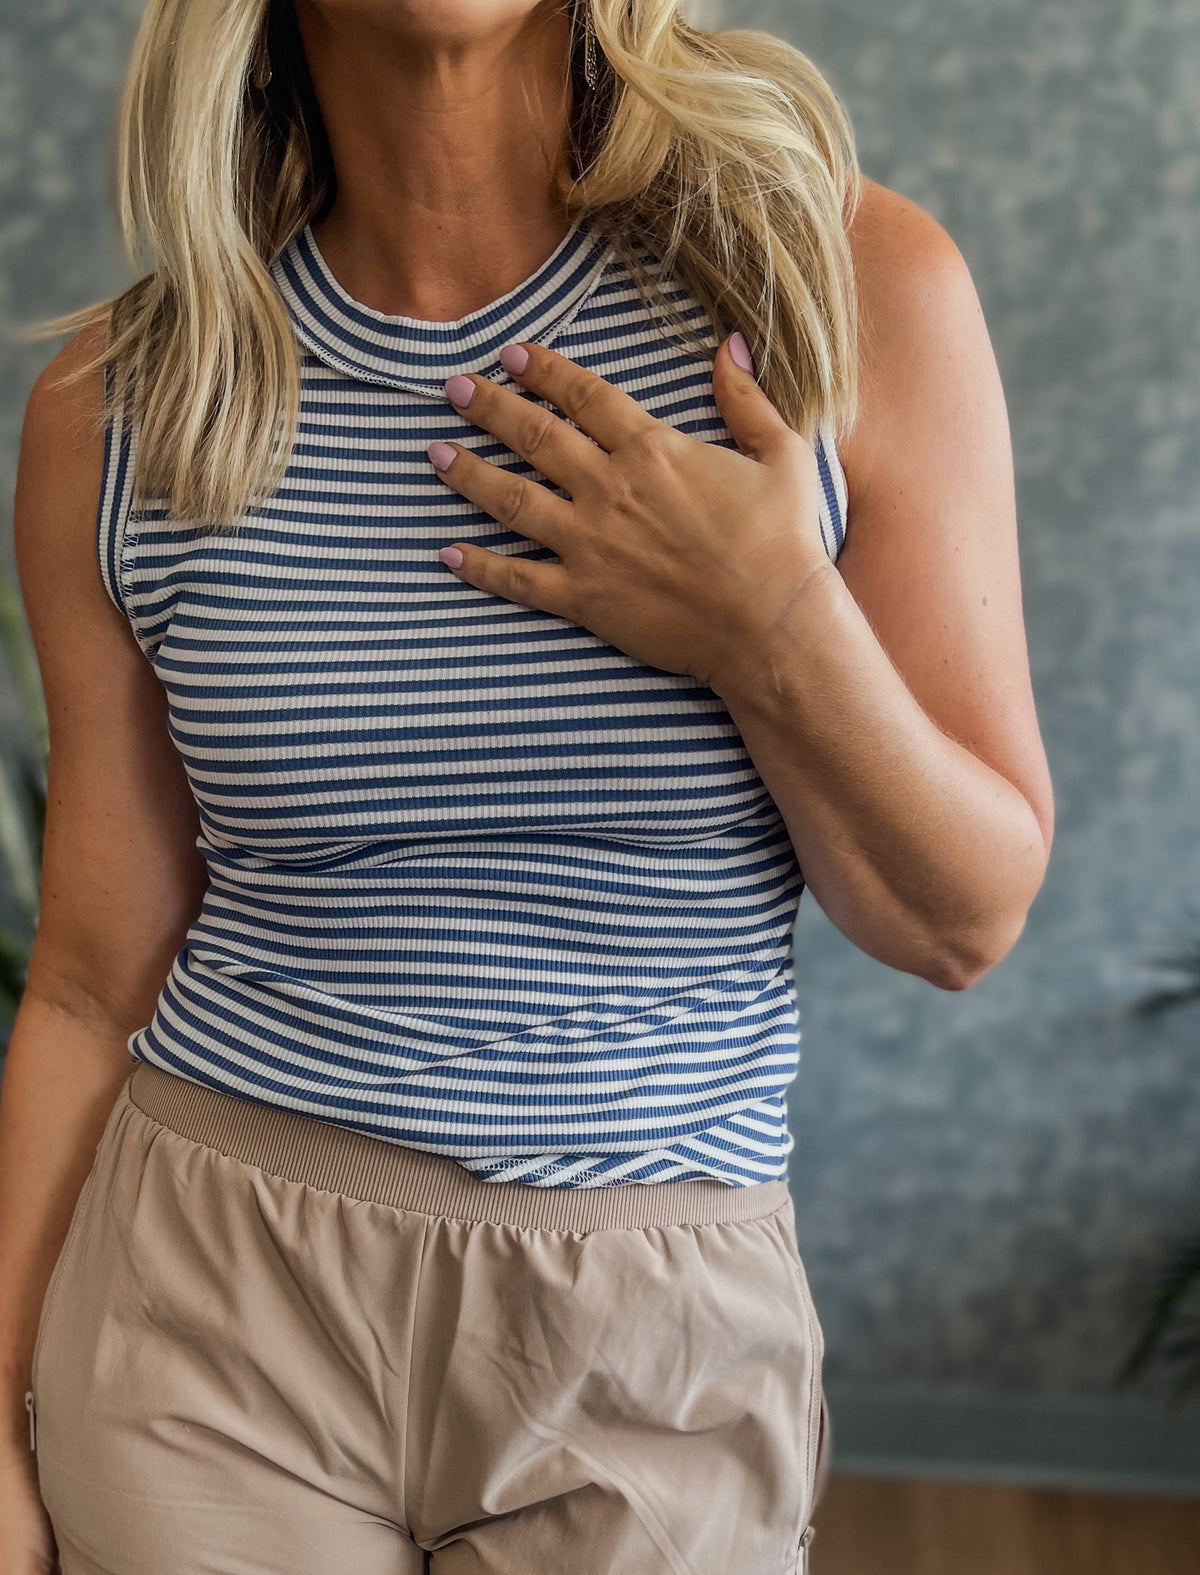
(952,975)
(960,973)
(978,944)
(962,960)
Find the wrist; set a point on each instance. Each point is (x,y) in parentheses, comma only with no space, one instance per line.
(766,646)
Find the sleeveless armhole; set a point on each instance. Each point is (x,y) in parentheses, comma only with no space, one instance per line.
(116,492)
(835,494)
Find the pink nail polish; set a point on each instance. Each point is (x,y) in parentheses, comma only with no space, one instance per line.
(740,350)
(459,389)
(514,358)
(451,556)
(441,455)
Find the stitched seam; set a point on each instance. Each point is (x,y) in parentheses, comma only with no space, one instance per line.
(816,1349)
(51,1296)
(406,1442)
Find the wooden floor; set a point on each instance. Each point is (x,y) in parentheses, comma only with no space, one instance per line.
(872,1526)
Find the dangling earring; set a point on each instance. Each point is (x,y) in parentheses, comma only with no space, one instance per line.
(261,74)
(590,68)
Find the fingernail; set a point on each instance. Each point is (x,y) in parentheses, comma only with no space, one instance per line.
(740,350)
(451,556)
(441,454)
(514,358)
(459,389)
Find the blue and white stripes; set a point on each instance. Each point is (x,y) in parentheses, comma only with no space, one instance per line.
(480,883)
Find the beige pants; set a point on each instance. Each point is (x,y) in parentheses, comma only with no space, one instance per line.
(272,1344)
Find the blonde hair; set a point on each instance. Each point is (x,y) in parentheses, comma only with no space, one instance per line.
(726,154)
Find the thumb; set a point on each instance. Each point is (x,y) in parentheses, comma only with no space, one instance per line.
(753,421)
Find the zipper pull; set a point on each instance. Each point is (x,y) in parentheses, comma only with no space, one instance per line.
(32,1409)
(810,1532)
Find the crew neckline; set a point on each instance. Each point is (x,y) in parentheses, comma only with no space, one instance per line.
(418,353)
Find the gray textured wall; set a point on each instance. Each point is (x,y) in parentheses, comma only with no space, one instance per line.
(978,1177)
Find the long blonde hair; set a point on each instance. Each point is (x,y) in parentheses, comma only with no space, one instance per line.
(727,154)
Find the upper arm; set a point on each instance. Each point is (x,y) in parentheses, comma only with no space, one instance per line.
(122,878)
(931,553)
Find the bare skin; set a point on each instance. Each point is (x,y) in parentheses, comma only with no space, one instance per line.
(931,555)
(121,881)
(445,119)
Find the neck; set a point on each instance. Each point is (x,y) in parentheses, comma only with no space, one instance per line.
(446,138)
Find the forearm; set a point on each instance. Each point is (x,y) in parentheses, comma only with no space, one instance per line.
(61,1078)
(919,852)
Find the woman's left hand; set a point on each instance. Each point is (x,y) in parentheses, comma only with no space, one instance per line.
(682,553)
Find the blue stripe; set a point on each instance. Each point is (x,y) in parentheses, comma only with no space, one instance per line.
(480,883)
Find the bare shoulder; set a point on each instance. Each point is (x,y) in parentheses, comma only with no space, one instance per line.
(918,308)
(62,399)
(891,229)
(60,471)
(80,636)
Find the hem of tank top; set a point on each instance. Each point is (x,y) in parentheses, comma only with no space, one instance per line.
(532,1177)
(543,1171)
(463,1161)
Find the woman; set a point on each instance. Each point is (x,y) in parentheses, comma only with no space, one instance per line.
(449,677)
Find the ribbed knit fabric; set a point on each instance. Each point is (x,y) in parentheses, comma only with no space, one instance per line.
(480,883)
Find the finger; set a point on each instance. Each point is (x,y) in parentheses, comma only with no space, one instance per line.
(754,423)
(603,411)
(546,586)
(517,502)
(563,456)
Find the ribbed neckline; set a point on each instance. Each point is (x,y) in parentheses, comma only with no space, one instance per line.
(410,352)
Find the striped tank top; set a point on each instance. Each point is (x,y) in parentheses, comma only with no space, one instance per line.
(479,882)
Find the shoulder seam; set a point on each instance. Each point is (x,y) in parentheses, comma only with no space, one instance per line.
(114,500)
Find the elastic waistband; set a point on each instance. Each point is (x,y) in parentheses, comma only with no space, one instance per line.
(320,1153)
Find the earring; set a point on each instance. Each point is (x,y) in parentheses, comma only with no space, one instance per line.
(590,68)
(261,74)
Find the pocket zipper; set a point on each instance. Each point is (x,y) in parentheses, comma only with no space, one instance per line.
(802,1564)
(31,1407)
